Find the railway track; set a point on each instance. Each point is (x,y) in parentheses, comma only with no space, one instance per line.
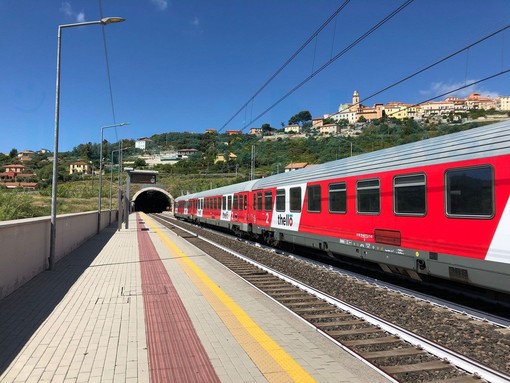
(399,352)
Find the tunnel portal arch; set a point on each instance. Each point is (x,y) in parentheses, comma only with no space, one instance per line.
(152,200)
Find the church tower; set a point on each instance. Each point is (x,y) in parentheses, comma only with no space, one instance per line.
(355,99)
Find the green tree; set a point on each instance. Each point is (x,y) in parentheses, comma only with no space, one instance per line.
(140,163)
(300,118)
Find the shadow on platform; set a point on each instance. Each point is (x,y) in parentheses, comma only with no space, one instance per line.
(23,311)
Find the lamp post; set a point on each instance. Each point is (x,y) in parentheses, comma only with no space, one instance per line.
(101,173)
(53,220)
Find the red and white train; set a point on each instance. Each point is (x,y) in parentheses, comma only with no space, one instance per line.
(437,207)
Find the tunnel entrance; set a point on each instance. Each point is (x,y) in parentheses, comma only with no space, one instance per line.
(152,200)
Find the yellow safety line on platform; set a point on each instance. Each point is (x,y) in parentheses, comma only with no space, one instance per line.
(273,361)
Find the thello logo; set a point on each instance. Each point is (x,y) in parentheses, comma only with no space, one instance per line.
(285,220)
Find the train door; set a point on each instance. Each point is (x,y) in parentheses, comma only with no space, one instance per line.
(200,207)
(226,207)
(263,207)
(240,207)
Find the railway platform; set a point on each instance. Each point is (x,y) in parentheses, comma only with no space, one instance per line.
(143,305)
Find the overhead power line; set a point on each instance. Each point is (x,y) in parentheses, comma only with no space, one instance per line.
(336,57)
(456,90)
(467,47)
(289,60)
(105,45)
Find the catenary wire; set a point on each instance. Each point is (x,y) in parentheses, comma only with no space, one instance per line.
(289,60)
(467,47)
(105,45)
(337,56)
(455,90)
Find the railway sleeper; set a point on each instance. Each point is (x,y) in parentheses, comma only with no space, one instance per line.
(459,379)
(283,290)
(310,303)
(371,341)
(297,300)
(326,325)
(364,330)
(393,352)
(313,317)
(416,367)
(324,308)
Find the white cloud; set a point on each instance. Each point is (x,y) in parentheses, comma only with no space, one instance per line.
(68,10)
(80,17)
(439,88)
(195,22)
(160,4)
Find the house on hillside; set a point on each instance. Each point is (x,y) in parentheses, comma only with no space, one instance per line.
(142,143)
(14,168)
(292,129)
(80,167)
(332,129)
(26,155)
(14,176)
(221,158)
(185,153)
(295,166)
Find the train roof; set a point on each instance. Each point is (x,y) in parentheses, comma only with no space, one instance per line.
(229,189)
(486,141)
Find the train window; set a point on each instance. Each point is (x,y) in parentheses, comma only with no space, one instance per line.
(245,202)
(236,202)
(224,203)
(409,194)
(229,202)
(470,192)
(259,201)
(295,199)
(314,198)
(338,198)
(268,201)
(280,200)
(368,196)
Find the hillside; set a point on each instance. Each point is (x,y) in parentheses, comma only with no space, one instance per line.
(78,192)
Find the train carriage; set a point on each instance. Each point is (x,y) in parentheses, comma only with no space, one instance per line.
(435,207)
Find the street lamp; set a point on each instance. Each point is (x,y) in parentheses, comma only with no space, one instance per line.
(53,220)
(101,172)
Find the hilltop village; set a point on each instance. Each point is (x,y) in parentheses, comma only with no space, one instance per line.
(29,169)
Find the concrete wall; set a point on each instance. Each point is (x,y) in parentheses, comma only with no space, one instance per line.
(25,244)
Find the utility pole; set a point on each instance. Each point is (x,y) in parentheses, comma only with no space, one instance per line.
(252,173)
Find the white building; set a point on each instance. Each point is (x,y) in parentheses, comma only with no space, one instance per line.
(292,129)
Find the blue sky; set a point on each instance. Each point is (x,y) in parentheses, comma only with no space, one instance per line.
(189,65)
